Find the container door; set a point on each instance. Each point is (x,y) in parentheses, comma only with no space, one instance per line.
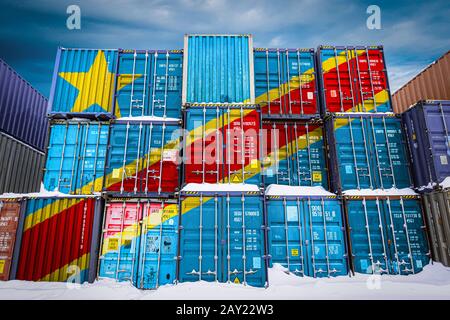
(199,239)
(132,87)
(159,171)
(407,241)
(165,84)
(369,72)
(326,251)
(352,147)
(337,81)
(368,236)
(121,235)
(62,159)
(308,157)
(277,154)
(287,235)
(9,217)
(158,246)
(242,254)
(268,79)
(241,135)
(437,119)
(390,167)
(300,83)
(203,163)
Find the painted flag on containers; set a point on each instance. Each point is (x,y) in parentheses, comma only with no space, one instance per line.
(221,144)
(218,69)
(306,231)
(353,79)
(286,83)
(57,239)
(140,241)
(222,235)
(386,232)
(76,155)
(293,153)
(427,126)
(149,83)
(367,152)
(143,158)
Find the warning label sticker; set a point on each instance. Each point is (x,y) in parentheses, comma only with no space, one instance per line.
(170,155)
(294,252)
(444,160)
(2,265)
(113,244)
(236,280)
(317,176)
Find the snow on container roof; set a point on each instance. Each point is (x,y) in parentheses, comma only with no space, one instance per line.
(223,187)
(279,190)
(380,192)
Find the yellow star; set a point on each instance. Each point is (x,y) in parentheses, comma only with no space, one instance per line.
(96,85)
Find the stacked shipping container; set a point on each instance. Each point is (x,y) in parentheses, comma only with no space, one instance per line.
(266,131)
(23,130)
(367,155)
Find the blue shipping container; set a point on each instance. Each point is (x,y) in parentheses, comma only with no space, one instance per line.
(23,110)
(218,69)
(387,235)
(427,126)
(293,153)
(286,83)
(139,243)
(76,156)
(222,238)
(306,235)
(367,152)
(222,144)
(83,83)
(149,83)
(143,158)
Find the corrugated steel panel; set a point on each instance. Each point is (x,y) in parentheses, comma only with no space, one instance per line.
(432,83)
(9,218)
(437,213)
(293,153)
(23,109)
(149,83)
(306,235)
(427,127)
(140,241)
(143,158)
(222,144)
(353,79)
(222,238)
(286,83)
(21,166)
(387,235)
(76,156)
(367,152)
(218,69)
(83,82)
(59,240)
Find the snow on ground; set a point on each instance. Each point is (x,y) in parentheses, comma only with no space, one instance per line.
(280,190)
(225,187)
(432,283)
(380,192)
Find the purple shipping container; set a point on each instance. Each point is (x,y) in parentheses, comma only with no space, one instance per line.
(427,126)
(23,109)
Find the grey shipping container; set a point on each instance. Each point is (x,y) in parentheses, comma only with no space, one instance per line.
(433,83)
(23,109)
(437,214)
(21,166)
(427,126)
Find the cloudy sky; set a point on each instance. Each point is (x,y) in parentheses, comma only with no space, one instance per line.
(414,33)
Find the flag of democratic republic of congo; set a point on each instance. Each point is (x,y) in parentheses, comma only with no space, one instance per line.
(84,81)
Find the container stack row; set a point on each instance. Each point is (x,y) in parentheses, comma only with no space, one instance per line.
(216,162)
